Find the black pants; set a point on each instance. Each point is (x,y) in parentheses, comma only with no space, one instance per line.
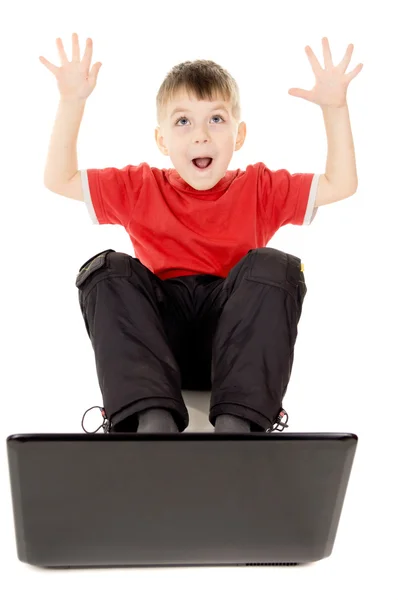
(152,338)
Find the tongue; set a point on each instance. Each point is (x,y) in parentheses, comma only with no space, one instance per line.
(202,163)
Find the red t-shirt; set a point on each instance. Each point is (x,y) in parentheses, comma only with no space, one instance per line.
(177,230)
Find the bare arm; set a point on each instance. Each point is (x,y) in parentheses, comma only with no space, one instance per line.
(75,83)
(340,179)
(62,164)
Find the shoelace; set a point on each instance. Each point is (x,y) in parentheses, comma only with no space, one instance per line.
(105,423)
(278,423)
(277,426)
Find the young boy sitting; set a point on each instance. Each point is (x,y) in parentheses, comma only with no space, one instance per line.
(205,304)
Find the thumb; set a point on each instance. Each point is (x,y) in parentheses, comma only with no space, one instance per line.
(94,71)
(299,93)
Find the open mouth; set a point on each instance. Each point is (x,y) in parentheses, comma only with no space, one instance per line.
(202,163)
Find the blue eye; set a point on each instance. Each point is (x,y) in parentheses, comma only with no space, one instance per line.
(181,118)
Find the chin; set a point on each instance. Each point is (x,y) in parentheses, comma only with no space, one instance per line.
(204,186)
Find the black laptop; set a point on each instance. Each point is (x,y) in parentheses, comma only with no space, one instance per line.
(90,500)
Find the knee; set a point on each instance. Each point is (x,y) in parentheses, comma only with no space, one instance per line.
(268,262)
(268,254)
(276,267)
(102,265)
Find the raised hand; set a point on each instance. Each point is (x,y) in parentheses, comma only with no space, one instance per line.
(331,82)
(74,78)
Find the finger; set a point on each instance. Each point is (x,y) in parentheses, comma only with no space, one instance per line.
(299,93)
(49,65)
(316,67)
(346,58)
(350,76)
(327,55)
(75,48)
(62,53)
(88,53)
(94,71)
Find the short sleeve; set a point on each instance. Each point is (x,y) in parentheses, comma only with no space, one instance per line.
(110,194)
(289,198)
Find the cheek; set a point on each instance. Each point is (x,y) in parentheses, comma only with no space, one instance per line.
(228,143)
(178,138)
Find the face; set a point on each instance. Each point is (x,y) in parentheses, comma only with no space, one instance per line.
(193,128)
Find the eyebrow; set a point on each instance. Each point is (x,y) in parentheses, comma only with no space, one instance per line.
(218,107)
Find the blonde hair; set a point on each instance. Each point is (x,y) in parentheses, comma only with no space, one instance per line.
(204,79)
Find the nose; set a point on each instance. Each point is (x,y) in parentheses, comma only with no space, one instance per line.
(201,136)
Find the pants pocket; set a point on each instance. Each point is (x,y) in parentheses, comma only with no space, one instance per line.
(279,269)
(92,265)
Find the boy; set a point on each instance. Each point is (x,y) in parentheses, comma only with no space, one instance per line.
(205,305)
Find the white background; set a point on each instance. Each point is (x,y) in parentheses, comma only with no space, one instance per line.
(344,373)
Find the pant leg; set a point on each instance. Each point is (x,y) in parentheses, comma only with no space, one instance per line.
(209,296)
(253,343)
(126,316)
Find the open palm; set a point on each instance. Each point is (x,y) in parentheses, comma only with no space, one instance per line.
(74,78)
(331,83)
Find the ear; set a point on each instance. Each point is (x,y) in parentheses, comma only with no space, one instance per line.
(160,141)
(240,139)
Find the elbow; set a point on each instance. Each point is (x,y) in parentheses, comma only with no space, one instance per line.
(348,191)
(47,184)
(354,186)
(352,190)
